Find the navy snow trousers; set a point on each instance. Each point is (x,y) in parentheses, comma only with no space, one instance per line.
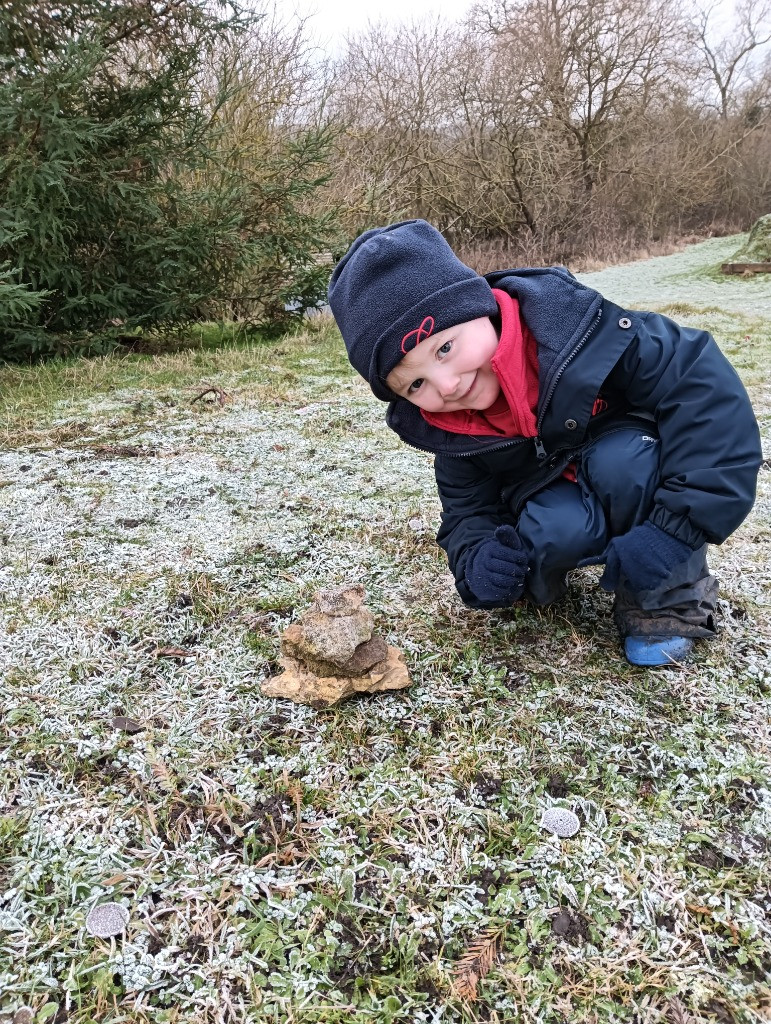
(566,522)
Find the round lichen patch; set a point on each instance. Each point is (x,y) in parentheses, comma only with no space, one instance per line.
(560,822)
(107,919)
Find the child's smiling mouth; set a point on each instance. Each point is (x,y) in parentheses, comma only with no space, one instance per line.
(469,389)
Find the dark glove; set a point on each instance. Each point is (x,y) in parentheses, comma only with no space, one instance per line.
(496,568)
(645,557)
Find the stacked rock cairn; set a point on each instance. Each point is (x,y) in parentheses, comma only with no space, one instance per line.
(333,652)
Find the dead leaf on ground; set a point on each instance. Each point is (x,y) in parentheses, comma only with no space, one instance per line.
(479,957)
(163,775)
(174,652)
(126,724)
(677,1013)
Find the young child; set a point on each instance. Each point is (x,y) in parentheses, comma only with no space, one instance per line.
(566,430)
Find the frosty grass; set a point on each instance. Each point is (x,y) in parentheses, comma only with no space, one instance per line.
(279,863)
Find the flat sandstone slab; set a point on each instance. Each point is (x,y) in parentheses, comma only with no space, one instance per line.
(304,687)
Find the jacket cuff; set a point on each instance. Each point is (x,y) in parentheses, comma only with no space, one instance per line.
(678,526)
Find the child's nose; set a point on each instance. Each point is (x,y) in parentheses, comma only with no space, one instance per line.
(448,384)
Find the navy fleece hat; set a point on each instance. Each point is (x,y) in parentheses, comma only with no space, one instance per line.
(397,286)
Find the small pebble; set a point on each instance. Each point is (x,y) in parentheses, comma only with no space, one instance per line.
(107,919)
(560,822)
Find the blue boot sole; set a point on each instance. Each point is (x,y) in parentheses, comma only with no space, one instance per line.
(657,651)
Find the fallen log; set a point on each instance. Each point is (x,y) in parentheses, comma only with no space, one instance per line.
(746,268)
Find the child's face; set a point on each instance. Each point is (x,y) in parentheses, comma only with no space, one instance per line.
(451,370)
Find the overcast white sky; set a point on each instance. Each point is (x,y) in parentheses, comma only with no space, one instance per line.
(331,19)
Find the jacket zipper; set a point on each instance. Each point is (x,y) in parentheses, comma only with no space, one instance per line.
(540,451)
(462,455)
(518,498)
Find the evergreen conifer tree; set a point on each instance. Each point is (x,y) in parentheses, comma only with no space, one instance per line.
(118,206)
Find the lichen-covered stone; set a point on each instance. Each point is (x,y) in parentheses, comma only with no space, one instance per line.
(331,638)
(560,822)
(339,600)
(758,247)
(365,656)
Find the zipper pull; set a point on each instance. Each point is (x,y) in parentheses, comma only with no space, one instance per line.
(540,451)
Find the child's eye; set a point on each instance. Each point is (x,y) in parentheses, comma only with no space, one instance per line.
(415,386)
(444,349)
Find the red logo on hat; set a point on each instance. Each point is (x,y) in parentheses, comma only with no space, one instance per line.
(425,330)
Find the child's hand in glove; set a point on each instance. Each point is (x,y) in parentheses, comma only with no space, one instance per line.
(645,557)
(496,568)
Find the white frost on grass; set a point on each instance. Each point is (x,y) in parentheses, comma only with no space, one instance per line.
(274,846)
(680,279)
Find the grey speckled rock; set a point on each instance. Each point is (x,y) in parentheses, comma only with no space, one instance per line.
(368,654)
(333,627)
(339,600)
(560,822)
(107,919)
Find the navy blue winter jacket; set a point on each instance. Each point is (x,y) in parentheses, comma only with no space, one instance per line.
(647,367)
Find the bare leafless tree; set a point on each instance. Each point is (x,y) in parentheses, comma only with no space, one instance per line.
(392,99)
(544,129)
(728,57)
